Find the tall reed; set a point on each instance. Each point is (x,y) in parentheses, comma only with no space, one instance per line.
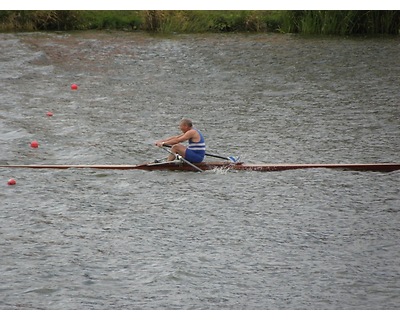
(341,22)
(21,20)
(206,21)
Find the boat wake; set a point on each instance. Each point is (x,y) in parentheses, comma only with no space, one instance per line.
(220,170)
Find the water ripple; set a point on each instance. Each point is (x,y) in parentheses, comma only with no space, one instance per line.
(304,239)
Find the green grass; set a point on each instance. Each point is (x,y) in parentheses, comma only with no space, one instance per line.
(304,22)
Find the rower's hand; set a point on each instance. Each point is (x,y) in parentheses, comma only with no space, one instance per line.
(159,143)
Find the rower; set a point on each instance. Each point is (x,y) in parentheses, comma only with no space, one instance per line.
(196,149)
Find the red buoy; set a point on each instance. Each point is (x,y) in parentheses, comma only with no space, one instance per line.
(49,114)
(11,182)
(74,86)
(34,144)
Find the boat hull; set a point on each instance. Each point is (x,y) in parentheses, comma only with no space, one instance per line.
(382,167)
(225,165)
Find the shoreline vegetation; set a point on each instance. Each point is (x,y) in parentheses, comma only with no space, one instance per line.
(307,22)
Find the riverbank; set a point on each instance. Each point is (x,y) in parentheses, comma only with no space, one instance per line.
(163,21)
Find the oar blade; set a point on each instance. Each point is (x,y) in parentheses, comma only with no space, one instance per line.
(233,159)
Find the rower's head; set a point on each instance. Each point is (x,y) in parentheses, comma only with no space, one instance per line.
(185,125)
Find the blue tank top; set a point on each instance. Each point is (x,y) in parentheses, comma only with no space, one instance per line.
(197,146)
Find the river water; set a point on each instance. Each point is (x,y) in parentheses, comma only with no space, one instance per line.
(302,239)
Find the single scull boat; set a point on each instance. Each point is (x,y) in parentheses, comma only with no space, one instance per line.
(179,165)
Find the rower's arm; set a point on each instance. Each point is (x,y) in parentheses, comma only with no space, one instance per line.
(174,140)
(177,139)
(183,137)
(171,140)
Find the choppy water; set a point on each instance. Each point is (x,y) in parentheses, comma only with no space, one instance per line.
(307,239)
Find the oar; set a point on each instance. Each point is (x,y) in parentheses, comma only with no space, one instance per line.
(183,159)
(232,159)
